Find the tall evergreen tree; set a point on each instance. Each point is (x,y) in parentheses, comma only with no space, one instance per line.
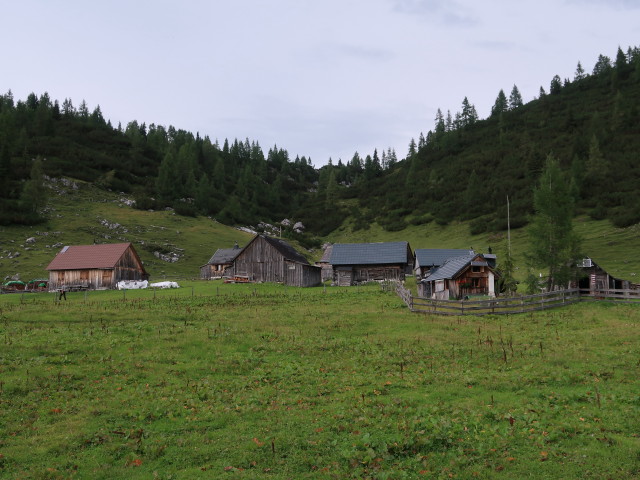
(515,99)
(553,245)
(500,105)
(34,193)
(580,73)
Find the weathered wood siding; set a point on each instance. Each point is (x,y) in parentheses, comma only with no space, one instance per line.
(261,262)
(207,272)
(345,276)
(127,268)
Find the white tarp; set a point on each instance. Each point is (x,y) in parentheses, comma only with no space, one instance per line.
(164,285)
(131,284)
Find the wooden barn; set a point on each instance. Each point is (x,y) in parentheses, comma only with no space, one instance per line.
(95,267)
(268,259)
(221,260)
(593,277)
(366,262)
(460,277)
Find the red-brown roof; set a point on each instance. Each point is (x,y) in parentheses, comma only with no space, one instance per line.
(78,257)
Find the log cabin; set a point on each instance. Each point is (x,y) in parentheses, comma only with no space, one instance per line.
(460,277)
(355,263)
(221,260)
(268,259)
(92,267)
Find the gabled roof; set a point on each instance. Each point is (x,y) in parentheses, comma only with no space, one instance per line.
(453,266)
(287,251)
(326,256)
(370,253)
(224,255)
(77,257)
(450,268)
(434,257)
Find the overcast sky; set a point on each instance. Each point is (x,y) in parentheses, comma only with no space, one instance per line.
(322,78)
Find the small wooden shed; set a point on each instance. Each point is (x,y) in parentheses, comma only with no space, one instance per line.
(366,262)
(325,265)
(268,259)
(459,277)
(95,266)
(221,260)
(593,277)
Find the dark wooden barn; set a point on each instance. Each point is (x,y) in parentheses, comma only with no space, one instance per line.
(460,277)
(268,259)
(592,277)
(366,262)
(221,260)
(95,266)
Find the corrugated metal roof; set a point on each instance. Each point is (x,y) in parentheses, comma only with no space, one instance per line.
(434,257)
(224,255)
(370,253)
(450,268)
(78,257)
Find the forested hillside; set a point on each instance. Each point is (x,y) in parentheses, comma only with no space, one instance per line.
(466,168)
(463,169)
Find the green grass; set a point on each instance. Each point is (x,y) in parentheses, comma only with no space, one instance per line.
(264,381)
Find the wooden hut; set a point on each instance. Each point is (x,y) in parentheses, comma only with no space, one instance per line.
(268,259)
(592,277)
(221,260)
(325,264)
(95,267)
(460,277)
(366,262)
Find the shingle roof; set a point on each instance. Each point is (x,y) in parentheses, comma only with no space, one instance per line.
(326,256)
(287,251)
(370,253)
(434,257)
(88,256)
(450,268)
(224,255)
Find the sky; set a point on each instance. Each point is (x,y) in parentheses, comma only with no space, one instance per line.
(322,79)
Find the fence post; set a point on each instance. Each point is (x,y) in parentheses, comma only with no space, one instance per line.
(410,302)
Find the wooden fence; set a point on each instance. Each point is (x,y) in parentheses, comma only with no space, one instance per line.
(509,305)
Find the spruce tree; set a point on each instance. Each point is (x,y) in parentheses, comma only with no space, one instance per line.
(553,245)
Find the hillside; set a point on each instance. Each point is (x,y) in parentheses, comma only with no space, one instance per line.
(87,214)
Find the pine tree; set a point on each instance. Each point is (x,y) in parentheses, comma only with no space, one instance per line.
(515,99)
(500,105)
(580,73)
(34,194)
(553,245)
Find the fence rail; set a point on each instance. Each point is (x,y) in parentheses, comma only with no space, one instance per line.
(509,305)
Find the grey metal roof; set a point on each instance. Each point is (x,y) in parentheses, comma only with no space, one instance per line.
(224,255)
(370,253)
(434,257)
(450,268)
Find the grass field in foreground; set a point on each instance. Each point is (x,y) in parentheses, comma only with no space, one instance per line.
(263,381)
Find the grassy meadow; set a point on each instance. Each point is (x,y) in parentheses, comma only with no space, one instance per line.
(265,381)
